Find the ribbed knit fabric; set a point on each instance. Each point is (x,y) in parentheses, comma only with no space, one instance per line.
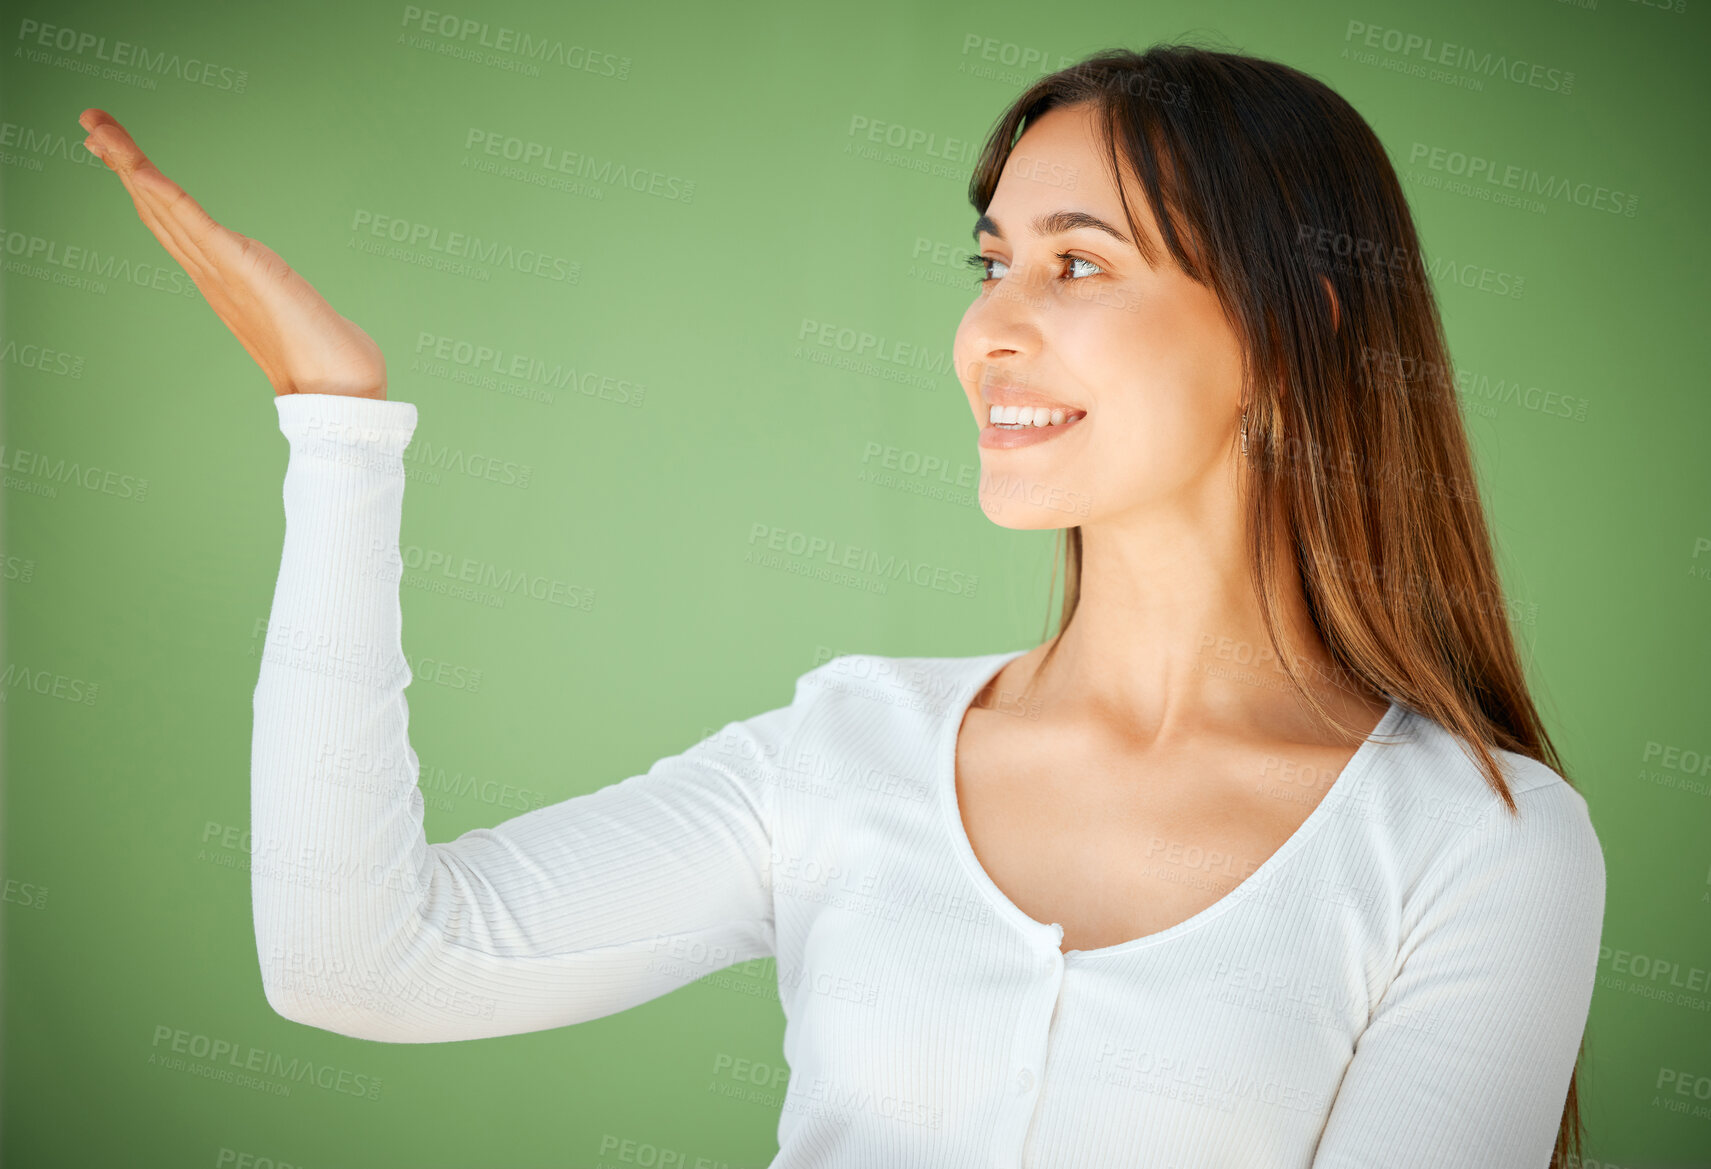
(1403,983)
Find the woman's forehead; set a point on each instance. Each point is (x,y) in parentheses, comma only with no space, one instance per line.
(1062,163)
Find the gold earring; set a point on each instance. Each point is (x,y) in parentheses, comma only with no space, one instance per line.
(1244,432)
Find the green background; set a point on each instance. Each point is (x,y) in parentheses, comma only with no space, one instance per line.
(127,905)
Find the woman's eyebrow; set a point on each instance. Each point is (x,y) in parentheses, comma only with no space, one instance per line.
(1053,223)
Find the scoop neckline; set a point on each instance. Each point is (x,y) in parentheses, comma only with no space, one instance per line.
(1359,763)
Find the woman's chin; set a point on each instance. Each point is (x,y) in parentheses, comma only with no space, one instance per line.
(1022,516)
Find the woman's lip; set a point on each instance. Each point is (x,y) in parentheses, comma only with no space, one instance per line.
(1000,438)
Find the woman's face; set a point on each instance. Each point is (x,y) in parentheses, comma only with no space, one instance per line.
(1142,359)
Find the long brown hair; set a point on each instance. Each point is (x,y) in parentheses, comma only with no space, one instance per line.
(1266,185)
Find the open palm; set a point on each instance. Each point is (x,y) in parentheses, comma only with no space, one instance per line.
(300,342)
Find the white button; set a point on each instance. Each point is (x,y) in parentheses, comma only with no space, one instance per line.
(1024,1080)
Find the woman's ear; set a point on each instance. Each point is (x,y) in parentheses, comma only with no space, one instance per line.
(1336,309)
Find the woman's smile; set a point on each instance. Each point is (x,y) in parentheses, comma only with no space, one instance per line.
(1003,436)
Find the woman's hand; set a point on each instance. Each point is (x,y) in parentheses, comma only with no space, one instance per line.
(301,344)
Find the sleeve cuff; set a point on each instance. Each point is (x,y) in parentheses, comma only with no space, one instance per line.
(342,420)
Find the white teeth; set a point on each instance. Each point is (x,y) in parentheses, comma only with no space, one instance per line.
(1020,416)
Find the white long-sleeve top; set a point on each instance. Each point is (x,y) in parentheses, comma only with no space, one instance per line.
(1404,983)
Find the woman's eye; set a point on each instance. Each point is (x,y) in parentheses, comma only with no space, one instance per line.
(1073,260)
(980,263)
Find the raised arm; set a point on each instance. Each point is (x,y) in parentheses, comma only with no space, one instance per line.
(1467,1057)
(562,914)
(559,915)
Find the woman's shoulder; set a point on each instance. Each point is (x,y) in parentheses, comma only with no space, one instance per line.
(869,693)
(1435,790)
(1440,767)
(928,685)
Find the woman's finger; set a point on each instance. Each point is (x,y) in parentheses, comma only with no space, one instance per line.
(150,215)
(145,206)
(193,229)
(176,218)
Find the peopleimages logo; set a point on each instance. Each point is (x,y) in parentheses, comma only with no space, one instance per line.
(482,365)
(226,1059)
(41,358)
(426,237)
(888,566)
(81,266)
(468,32)
(1474,168)
(563,161)
(24,468)
(1432,51)
(484,574)
(123,55)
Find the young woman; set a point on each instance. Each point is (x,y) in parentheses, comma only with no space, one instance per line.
(1264,859)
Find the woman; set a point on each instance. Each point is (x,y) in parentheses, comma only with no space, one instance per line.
(1264,860)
